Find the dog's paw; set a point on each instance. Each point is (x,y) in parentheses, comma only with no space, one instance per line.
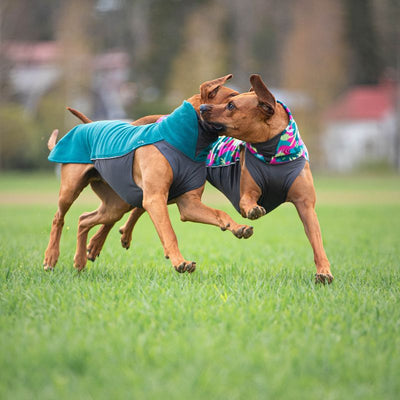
(323,278)
(93,252)
(186,267)
(48,268)
(80,262)
(243,232)
(91,256)
(256,212)
(125,238)
(50,260)
(225,227)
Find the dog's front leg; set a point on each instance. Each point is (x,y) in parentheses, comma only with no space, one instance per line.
(156,206)
(302,195)
(152,172)
(250,192)
(192,209)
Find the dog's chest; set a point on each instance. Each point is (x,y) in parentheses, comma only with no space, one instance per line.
(274,180)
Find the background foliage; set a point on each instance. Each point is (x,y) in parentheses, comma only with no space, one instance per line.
(317,47)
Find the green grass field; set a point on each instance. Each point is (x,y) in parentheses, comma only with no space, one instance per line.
(248,324)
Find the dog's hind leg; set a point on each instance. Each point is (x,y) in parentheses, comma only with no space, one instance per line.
(302,195)
(74,178)
(192,209)
(127,228)
(110,211)
(96,242)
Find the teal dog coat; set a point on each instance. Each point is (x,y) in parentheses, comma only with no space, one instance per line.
(108,139)
(181,137)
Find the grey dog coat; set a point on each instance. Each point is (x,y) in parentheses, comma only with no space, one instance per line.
(188,173)
(117,172)
(273,180)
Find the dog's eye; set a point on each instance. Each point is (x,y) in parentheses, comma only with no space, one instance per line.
(230,106)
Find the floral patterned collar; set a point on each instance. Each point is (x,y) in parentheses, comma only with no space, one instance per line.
(283,148)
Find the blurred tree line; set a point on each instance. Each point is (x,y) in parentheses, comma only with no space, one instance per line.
(316,47)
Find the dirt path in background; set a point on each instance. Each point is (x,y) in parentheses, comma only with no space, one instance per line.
(20,198)
(213,198)
(41,198)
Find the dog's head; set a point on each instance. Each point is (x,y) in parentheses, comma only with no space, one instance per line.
(250,116)
(213,92)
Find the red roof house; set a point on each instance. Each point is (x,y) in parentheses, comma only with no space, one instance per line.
(361,127)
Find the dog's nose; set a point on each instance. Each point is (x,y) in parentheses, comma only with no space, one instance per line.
(204,108)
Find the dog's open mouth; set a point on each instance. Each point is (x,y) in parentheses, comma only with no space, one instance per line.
(218,127)
(214,126)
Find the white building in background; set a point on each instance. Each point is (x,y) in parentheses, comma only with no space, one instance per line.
(361,128)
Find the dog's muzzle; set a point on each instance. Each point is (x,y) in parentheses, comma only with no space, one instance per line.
(215,126)
(204,109)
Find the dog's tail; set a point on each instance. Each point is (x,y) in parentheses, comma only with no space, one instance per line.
(52,140)
(79,115)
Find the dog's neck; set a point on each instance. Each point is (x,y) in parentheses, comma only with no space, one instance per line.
(284,146)
(274,126)
(208,134)
(279,121)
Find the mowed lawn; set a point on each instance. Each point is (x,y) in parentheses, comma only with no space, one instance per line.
(248,324)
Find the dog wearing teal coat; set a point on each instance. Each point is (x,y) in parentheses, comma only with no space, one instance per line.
(137,166)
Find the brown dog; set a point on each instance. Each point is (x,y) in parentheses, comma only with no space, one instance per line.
(213,92)
(264,121)
(153,174)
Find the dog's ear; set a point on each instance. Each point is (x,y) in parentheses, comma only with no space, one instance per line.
(266,100)
(209,89)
